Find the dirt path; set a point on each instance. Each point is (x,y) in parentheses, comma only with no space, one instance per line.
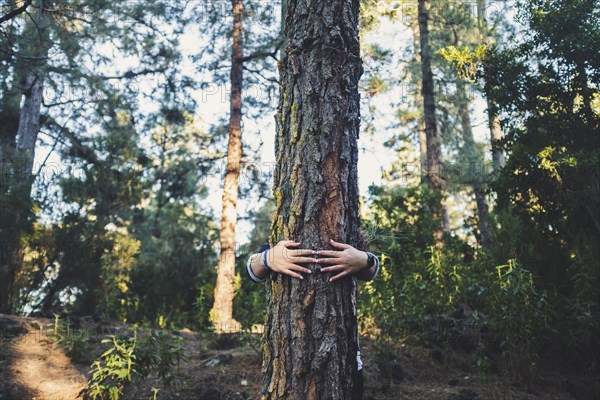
(43,368)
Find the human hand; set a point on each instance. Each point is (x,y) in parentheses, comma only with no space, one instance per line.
(284,259)
(346,261)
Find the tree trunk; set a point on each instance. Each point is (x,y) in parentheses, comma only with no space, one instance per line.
(475,165)
(422,136)
(434,179)
(311,337)
(222,311)
(423,152)
(33,49)
(498,159)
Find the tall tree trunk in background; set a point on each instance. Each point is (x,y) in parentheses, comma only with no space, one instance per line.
(476,171)
(311,337)
(222,311)
(422,136)
(498,158)
(33,51)
(496,135)
(423,152)
(434,179)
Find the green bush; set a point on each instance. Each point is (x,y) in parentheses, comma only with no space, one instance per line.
(127,363)
(521,315)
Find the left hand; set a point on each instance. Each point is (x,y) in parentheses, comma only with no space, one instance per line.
(346,261)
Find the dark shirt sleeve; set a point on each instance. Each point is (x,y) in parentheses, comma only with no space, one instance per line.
(251,275)
(377,266)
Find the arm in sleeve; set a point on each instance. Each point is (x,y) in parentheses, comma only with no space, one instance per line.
(251,274)
(377,268)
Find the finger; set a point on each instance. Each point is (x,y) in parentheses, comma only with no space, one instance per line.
(333,268)
(302,260)
(328,253)
(339,245)
(300,252)
(339,276)
(293,274)
(289,243)
(297,268)
(328,260)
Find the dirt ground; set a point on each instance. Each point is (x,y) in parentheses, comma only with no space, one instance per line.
(34,366)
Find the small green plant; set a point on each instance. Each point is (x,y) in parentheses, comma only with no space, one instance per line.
(521,314)
(154,393)
(120,370)
(161,353)
(113,370)
(56,337)
(78,344)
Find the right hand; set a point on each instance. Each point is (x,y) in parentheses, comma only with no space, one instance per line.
(285,257)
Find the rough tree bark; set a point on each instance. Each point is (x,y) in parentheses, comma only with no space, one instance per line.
(311,337)
(434,164)
(222,311)
(34,51)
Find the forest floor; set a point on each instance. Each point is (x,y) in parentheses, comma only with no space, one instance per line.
(34,365)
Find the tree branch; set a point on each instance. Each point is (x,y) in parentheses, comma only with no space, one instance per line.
(264,54)
(78,148)
(12,14)
(132,74)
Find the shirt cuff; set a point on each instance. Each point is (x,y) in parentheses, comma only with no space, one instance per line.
(251,274)
(377,267)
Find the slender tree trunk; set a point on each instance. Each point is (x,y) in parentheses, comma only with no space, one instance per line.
(422,135)
(475,167)
(434,179)
(423,152)
(498,158)
(311,337)
(34,49)
(222,312)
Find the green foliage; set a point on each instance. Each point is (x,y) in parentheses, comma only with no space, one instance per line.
(546,86)
(119,371)
(465,60)
(250,298)
(521,317)
(421,286)
(113,371)
(161,354)
(416,279)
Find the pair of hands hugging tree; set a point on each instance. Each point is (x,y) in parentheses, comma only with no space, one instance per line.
(287,258)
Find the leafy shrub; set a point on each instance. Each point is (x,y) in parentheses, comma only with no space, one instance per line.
(112,371)
(520,315)
(120,370)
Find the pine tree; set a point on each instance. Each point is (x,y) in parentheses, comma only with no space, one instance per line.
(311,332)
(222,311)
(434,163)
(33,58)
